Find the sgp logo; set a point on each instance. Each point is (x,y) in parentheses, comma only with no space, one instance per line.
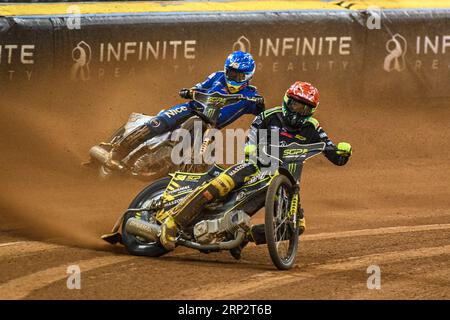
(396,48)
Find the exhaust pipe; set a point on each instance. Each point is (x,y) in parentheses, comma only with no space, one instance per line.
(226,245)
(143,229)
(104,157)
(99,154)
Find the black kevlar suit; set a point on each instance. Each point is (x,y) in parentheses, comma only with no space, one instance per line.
(234,177)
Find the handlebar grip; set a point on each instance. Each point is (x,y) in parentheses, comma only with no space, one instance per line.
(330,148)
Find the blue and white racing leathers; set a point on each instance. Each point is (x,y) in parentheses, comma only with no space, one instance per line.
(168,120)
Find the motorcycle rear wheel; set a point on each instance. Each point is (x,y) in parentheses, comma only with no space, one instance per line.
(134,244)
(280,228)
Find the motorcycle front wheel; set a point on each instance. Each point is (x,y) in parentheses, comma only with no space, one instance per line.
(280,226)
(134,244)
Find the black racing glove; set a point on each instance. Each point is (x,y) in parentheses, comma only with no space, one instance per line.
(259,102)
(185,93)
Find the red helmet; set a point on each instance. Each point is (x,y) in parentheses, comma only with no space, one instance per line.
(300,102)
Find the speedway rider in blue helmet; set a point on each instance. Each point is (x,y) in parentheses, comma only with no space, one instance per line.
(238,71)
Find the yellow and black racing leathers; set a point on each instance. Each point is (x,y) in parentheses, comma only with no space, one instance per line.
(262,132)
(271,122)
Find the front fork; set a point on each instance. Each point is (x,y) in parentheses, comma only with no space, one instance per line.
(295,209)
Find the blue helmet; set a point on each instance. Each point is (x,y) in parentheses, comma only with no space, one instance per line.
(239,70)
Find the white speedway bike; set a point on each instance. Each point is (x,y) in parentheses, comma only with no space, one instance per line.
(152,158)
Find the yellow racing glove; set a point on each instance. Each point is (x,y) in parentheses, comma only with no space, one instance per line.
(344,149)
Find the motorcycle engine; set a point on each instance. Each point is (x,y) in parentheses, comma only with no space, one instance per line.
(214,231)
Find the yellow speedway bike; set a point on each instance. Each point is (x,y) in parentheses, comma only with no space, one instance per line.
(223,223)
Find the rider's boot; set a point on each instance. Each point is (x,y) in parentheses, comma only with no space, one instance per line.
(237,251)
(257,234)
(136,137)
(183,214)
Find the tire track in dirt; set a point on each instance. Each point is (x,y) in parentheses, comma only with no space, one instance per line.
(25,247)
(19,288)
(374,232)
(235,290)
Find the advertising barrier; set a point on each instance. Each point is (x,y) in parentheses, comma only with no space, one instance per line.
(408,56)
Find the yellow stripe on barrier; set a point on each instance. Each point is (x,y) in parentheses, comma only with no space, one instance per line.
(393,4)
(157,7)
(232,6)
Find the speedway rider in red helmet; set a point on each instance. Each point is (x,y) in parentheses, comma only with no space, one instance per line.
(293,123)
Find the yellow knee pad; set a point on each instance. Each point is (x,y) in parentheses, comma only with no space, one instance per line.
(223,183)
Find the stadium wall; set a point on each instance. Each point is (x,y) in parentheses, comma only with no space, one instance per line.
(408,57)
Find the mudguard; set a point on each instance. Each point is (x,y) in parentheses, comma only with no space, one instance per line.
(287,173)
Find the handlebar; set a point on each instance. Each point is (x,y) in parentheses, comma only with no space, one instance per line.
(330,148)
(249,99)
(231,97)
(295,152)
(252,99)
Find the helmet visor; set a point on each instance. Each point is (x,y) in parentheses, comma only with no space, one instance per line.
(236,75)
(300,108)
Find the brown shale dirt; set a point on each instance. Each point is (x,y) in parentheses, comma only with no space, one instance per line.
(53,210)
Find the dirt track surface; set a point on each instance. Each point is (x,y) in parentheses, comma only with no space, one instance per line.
(389,206)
